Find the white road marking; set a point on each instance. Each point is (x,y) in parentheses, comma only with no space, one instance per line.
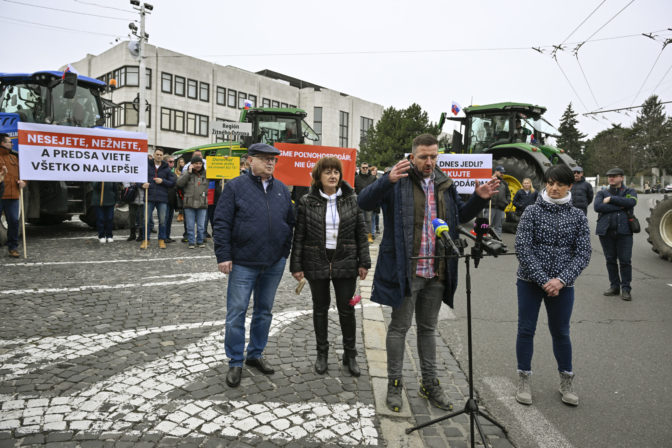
(171,279)
(133,260)
(140,394)
(530,418)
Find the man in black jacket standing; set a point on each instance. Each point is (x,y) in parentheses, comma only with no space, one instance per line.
(582,192)
(500,201)
(363,180)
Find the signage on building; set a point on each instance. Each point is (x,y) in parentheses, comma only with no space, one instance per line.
(66,153)
(222,167)
(296,162)
(230,128)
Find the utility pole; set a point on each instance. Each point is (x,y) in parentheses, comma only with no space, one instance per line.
(143,9)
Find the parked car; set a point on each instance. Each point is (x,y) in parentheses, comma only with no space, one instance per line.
(668,188)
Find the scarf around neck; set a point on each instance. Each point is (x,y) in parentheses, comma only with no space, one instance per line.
(560,201)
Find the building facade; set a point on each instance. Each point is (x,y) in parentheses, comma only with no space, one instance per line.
(185,95)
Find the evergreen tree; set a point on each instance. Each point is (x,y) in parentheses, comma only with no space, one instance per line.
(571,140)
(608,149)
(652,136)
(392,136)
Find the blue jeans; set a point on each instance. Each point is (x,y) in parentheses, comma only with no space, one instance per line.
(559,310)
(496,220)
(618,251)
(243,281)
(105,220)
(425,299)
(161,208)
(170,212)
(374,222)
(11,209)
(195,216)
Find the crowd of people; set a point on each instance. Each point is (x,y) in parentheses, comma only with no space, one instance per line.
(325,232)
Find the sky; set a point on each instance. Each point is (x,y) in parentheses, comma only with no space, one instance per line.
(394,53)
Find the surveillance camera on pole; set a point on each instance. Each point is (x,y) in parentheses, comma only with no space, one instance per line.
(143,9)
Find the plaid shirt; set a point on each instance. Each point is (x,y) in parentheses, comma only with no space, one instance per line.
(425,267)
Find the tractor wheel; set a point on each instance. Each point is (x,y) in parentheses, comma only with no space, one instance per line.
(517,169)
(660,228)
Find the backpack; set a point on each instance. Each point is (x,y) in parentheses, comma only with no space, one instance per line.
(129,193)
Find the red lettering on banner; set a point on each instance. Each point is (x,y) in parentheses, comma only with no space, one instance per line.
(296,162)
(80,141)
(468,173)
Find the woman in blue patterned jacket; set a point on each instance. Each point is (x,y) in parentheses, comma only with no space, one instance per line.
(553,247)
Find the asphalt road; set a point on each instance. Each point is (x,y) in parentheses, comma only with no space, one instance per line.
(621,351)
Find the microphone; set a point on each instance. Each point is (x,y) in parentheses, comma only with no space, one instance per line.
(441,231)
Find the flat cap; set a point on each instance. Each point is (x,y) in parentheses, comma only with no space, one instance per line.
(262,148)
(615,172)
(577,169)
(500,168)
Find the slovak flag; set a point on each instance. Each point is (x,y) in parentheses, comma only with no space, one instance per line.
(247,104)
(455,108)
(69,68)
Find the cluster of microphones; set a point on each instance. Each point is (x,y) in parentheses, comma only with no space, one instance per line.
(484,237)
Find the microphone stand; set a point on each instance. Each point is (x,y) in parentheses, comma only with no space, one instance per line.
(471,406)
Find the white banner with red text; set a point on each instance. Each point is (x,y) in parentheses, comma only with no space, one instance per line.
(65,153)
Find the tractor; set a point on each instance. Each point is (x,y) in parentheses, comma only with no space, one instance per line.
(56,98)
(519,139)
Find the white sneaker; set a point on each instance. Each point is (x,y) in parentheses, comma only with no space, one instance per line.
(102,240)
(110,240)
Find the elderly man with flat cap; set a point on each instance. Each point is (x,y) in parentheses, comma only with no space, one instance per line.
(253,227)
(613,206)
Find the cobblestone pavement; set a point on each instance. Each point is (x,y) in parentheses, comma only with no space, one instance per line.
(107,345)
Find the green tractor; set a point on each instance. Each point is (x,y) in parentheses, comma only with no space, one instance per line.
(519,139)
(269,125)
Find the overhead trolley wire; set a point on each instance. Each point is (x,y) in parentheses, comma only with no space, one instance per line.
(58,27)
(584,21)
(69,11)
(647,76)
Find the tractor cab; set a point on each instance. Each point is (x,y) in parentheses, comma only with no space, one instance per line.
(282,125)
(52,98)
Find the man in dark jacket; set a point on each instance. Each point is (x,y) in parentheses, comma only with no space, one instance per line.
(613,206)
(412,194)
(582,192)
(499,201)
(253,235)
(159,181)
(363,180)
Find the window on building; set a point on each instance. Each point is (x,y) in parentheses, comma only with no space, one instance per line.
(343,121)
(132,78)
(197,124)
(293,106)
(126,115)
(265,102)
(232,98)
(148,78)
(166,82)
(317,123)
(205,92)
(203,125)
(253,100)
(179,85)
(275,103)
(364,125)
(192,88)
(172,120)
(283,105)
(241,100)
(221,96)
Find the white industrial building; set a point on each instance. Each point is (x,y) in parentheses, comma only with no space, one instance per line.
(186,94)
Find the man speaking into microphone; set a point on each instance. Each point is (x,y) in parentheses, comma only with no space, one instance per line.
(412,195)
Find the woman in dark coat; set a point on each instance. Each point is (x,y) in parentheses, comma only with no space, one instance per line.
(330,245)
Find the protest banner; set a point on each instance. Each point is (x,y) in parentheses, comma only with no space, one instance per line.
(65,153)
(296,162)
(464,169)
(222,167)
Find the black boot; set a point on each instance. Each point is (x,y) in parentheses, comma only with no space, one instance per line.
(321,363)
(351,362)
(131,237)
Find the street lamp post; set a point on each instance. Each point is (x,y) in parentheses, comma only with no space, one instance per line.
(143,9)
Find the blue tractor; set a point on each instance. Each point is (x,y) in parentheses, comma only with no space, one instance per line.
(62,99)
